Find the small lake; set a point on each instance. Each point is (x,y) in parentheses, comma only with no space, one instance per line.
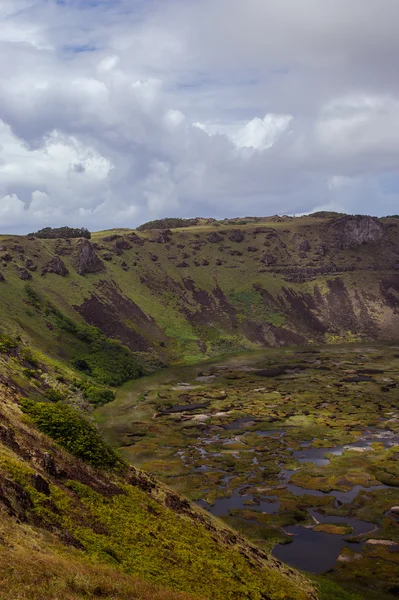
(237,501)
(316,551)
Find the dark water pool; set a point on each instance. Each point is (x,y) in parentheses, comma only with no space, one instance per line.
(222,506)
(315,551)
(318,456)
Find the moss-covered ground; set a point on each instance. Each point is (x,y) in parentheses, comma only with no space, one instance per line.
(244,453)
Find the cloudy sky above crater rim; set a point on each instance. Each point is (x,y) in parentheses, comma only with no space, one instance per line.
(114,112)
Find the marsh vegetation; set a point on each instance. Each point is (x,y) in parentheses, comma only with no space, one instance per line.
(297,448)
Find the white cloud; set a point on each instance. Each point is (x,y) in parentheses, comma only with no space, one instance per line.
(262,133)
(115,113)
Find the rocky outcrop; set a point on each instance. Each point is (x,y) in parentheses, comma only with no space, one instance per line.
(269,259)
(30,265)
(121,245)
(112,238)
(215,238)
(353,230)
(135,239)
(236,236)
(56,266)
(163,237)
(304,246)
(24,274)
(87,260)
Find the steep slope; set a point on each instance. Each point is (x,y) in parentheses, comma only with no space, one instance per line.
(182,294)
(71,530)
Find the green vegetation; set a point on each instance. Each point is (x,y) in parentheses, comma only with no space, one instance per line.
(168,223)
(67,427)
(51,233)
(7,344)
(95,395)
(106,360)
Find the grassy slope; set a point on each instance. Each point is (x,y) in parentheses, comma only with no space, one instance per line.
(112,524)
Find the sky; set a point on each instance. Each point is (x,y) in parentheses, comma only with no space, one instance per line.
(116,112)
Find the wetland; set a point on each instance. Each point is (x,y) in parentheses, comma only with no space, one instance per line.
(297,448)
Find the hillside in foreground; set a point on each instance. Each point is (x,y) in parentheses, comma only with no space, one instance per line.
(77,522)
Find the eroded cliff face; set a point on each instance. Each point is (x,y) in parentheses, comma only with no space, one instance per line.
(187,293)
(353,230)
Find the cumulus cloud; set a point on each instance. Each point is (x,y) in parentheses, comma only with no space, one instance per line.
(113,113)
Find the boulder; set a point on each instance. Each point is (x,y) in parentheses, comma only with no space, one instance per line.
(107,256)
(56,266)
(30,265)
(6,257)
(112,238)
(87,260)
(121,245)
(304,246)
(182,265)
(205,263)
(40,484)
(321,250)
(2,278)
(49,464)
(215,238)
(24,274)
(135,239)
(236,236)
(269,259)
(163,236)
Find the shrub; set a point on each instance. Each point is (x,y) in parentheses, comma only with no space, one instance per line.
(29,373)
(49,233)
(67,427)
(54,395)
(98,396)
(168,223)
(34,297)
(112,364)
(27,356)
(7,344)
